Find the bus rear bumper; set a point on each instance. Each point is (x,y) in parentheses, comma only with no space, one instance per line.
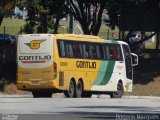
(35,85)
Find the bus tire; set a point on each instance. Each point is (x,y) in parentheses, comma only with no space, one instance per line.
(70,93)
(41,94)
(79,89)
(119,92)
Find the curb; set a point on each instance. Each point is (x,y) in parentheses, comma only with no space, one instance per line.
(127,97)
(141,97)
(62,96)
(15,96)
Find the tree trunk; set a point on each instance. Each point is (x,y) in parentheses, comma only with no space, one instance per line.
(85,30)
(44,23)
(97,28)
(98,22)
(42,28)
(1,19)
(56,25)
(85,27)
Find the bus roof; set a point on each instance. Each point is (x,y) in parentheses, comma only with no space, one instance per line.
(76,35)
(73,36)
(98,39)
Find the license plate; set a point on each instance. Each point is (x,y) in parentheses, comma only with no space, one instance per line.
(35,82)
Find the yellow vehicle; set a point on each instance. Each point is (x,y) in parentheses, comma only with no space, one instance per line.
(78,65)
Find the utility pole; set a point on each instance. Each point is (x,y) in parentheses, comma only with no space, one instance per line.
(71,20)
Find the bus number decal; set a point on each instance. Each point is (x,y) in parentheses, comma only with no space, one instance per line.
(63,64)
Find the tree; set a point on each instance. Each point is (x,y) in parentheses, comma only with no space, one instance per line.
(57,9)
(41,15)
(114,8)
(5,7)
(88,13)
(37,16)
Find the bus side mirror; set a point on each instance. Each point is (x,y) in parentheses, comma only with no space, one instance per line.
(134,59)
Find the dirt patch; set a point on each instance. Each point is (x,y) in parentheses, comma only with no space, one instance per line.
(12,89)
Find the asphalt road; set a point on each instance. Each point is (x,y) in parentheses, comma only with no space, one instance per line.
(12,108)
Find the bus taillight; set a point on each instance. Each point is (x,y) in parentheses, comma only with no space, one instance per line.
(54,70)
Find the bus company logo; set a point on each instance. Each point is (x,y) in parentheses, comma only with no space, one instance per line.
(35,44)
(85,64)
(35,59)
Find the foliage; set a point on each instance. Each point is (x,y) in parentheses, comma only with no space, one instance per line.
(41,15)
(113,7)
(57,8)
(36,16)
(5,7)
(12,26)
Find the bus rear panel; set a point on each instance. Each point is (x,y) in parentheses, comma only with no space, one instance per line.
(35,61)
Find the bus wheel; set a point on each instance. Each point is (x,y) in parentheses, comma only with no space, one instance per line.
(79,89)
(119,92)
(86,94)
(71,91)
(41,94)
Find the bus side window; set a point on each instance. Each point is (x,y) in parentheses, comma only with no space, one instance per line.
(111,53)
(115,52)
(69,50)
(98,52)
(81,51)
(104,52)
(76,51)
(85,51)
(92,51)
(107,52)
(117,55)
(61,48)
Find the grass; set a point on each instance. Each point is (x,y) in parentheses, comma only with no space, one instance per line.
(12,26)
(146,74)
(13,22)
